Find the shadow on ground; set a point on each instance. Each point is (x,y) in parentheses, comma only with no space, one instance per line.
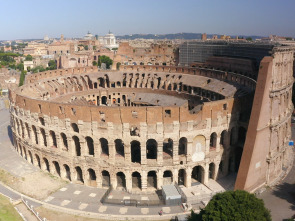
(286,191)
(9,132)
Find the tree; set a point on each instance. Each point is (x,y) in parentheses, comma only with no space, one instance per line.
(29,58)
(22,78)
(51,65)
(94,63)
(106,60)
(249,39)
(236,205)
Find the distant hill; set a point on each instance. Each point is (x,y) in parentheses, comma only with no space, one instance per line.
(185,36)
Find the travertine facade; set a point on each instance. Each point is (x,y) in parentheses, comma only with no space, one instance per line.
(145,126)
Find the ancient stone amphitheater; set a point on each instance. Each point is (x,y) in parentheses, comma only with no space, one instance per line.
(142,127)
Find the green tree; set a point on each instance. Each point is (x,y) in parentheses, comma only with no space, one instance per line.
(249,39)
(38,69)
(20,66)
(29,58)
(51,65)
(22,78)
(94,63)
(236,205)
(105,59)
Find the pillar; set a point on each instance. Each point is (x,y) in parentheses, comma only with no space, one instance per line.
(160,153)
(189,151)
(143,180)
(159,179)
(188,177)
(127,153)
(175,152)
(143,153)
(206,174)
(128,179)
(112,152)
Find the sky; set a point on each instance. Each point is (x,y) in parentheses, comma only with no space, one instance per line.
(27,19)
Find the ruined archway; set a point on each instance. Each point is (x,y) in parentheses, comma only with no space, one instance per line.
(151,149)
(135,152)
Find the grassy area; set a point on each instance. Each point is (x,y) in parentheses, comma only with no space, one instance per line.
(7,211)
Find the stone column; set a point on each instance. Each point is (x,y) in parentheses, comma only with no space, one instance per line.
(97,149)
(48,139)
(112,153)
(175,152)
(143,180)
(207,146)
(218,143)
(160,153)
(99,179)
(83,146)
(127,154)
(188,177)
(128,179)
(113,179)
(206,174)
(159,179)
(143,153)
(189,151)
(175,175)
(58,141)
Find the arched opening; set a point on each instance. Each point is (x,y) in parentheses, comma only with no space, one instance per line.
(233,136)
(106,181)
(64,141)
(41,120)
(135,152)
(75,127)
(167,148)
(151,149)
(44,137)
(79,175)
(46,164)
(95,84)
(182,146)
(181,177)
(38,161)
(67,172)
(119,145)
(30,157)
(53,138)
(223,138)
(152,179)
(136,180)
(213,140)
(167,177)
(57,168)
(211,171)
(104,146)
(25,153)
(28,130)
(77,145)
(104,100)
(91,175)
(35,134)
(242,136)
(121,181)
(90,145)
(197,175)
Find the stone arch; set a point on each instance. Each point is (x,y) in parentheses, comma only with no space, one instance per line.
(151,149)
(25,153)
(46,164)
(41,121)
(119,146)
(198,149)
(233,136)
(167,177)
(35,134)
(43,136)
(57,168)
(136,180)
(212,174)
(213,141)
(223,138)
(152,179)
(30,157)
(181,177)
(91,177)
(104,146)
(64,141)
(121,180)
(38,161)
(90,145)
(79,174)
(135,151)
(53,138)
(67,173)
(106,179)
(75,127)
(182,146)
(167,148)
(198,175)
(28,130)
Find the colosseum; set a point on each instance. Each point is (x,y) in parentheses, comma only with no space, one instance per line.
(143,127)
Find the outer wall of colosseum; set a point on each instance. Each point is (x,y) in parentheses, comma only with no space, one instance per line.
(144,147)
(266,152)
